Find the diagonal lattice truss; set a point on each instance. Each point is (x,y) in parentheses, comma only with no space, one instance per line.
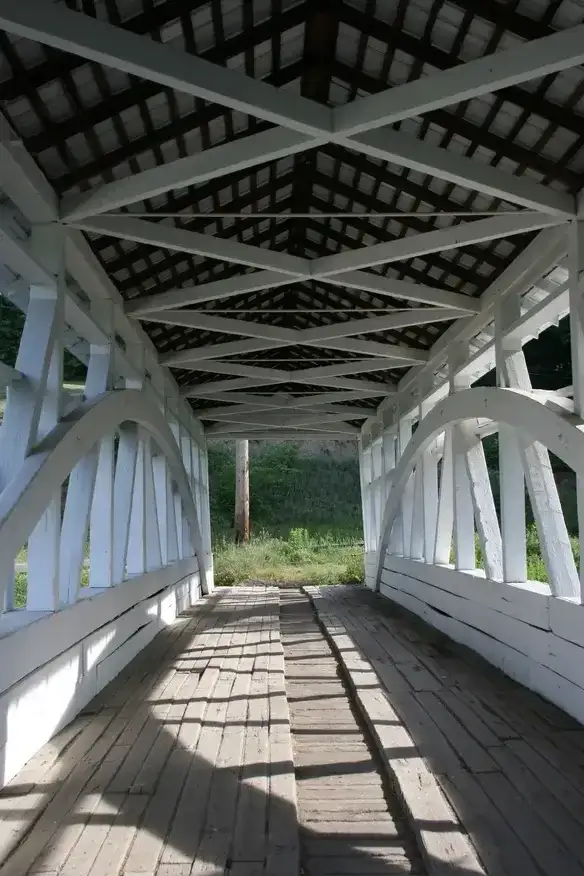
(331,225)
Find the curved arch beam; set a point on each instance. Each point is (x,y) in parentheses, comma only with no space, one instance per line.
(561,432)
(28,494)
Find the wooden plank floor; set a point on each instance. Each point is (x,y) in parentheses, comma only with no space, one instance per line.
(248,739)
(509,764)
(183,765)
(350,822)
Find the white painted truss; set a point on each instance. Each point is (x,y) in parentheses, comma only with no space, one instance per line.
(107,487)
(99,483)
(436,540)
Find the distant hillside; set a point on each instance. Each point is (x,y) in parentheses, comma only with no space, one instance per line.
(314,485)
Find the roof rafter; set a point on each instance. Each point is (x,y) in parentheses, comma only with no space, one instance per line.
(112,46)
(531,60)
(270,402)
(383,253)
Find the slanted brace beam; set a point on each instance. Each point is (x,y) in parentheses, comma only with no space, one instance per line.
(259,280)
(112,46)
(321,336)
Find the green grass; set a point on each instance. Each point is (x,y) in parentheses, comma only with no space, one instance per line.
(287,490)
(301,558)
(305,517)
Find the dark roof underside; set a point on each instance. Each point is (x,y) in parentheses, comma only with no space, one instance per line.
(87,125)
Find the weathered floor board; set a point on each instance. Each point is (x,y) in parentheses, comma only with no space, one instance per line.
(490,757)
(176,768)
(348,824)
(251,740)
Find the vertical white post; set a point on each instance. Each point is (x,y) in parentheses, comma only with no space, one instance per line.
(81,489)
(136,556)
(172,553)
(407,502)
(185,447)
(368,481)
(205,522)
(101,525)
(47,243)
(464,548)
(429,489)
(389,449)
(196,480)
(545,501)
(161,490)
(123,493)
(416,548)
(364,476)
(178,516)
(177,502)
(576,269)
(511,477)
(377,487)
(152,548)
(445,519)
(101,544)
(485,514)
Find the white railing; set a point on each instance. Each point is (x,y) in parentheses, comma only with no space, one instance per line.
(430,516)
(129,505)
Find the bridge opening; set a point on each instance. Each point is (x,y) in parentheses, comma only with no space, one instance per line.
(291,222)
(305,514)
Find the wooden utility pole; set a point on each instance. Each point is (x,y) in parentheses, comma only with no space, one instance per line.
(241,491)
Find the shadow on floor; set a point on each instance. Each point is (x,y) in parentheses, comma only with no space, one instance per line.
(144,781)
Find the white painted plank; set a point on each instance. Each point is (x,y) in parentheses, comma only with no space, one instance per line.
(253,282)
(543,493)
(181,240)
(464,546)
(464,234)
(101,545)
(425,158)
(485,514)
(445,518)
(532,60)
(145,58)
(222,160)
(123,492)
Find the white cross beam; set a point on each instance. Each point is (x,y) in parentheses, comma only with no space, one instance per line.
(259,280)
(453,237)
(486,75)
(106,44)
(280,435)
(169,237)
(103,43)
(304,375)
(275,401)
(320,336)
(233,413)
(328,267)
(327,375)
(278,421)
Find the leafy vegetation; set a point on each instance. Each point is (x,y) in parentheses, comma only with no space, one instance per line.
(288,489)
(305,514)
(300,558)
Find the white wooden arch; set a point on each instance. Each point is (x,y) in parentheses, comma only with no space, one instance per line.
(25,498)
(559,431)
